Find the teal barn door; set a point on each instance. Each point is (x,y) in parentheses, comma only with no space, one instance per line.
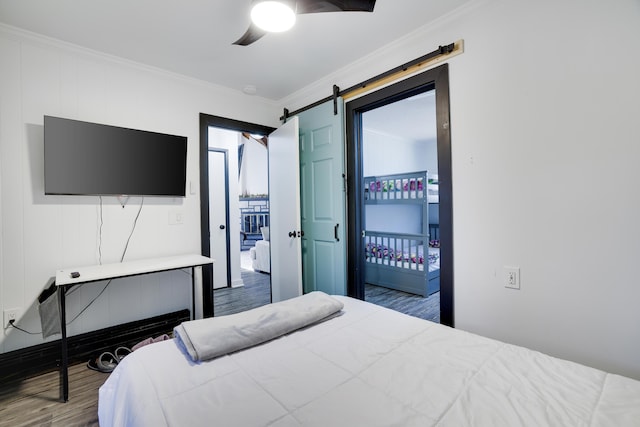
(323,202)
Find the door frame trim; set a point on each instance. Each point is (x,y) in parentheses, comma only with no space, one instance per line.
(207,121)
(437,78)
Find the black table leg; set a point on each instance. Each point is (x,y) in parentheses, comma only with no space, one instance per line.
(64,362)
(193,292)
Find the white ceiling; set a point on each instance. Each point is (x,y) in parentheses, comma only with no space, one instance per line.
(411,118)
(194,37)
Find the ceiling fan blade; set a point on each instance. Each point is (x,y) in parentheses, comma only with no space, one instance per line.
(252,34)
(318,6)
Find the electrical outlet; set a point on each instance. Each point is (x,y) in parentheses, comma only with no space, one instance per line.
(512,277)
(11,314)
(176,217)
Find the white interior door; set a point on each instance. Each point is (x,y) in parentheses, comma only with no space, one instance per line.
(284,207)
(218,226)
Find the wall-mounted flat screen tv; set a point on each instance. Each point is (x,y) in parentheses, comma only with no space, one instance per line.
(82,158)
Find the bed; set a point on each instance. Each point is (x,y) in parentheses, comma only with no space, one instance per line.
(364,365)
(398,261)
(398,228)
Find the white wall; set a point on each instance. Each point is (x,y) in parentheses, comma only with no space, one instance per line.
(40,234)
(384,154)
(254,173)
(545,140)
(560,136)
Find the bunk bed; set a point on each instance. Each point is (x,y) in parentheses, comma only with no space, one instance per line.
(401,260)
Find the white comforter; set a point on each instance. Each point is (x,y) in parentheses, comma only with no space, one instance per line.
(368,367)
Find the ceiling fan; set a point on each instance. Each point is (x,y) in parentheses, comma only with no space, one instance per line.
(291,8)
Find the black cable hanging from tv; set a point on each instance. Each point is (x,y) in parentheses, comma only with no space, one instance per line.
(442,50)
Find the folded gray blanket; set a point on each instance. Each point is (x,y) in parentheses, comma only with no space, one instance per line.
(216,336)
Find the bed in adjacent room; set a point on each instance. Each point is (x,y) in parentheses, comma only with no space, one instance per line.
(354,364)
(398,228)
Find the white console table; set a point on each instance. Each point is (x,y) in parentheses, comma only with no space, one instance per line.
(95,273)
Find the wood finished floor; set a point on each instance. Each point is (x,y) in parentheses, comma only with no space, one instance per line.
(415,305)
(36,401)
(256,292)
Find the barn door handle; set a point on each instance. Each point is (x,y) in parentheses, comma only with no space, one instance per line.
(335,232)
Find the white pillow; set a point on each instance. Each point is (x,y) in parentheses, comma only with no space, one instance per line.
(265,233)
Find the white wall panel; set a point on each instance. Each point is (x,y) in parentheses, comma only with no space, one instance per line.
(43,233)
(536,147)
(11,180)
(544,134)
(254,177)
(408,155)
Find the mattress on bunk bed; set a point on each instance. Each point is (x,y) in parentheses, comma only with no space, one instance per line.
(370,366)
(413,258)
(398,187)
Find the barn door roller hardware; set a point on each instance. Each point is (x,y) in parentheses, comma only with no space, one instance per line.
(438,55)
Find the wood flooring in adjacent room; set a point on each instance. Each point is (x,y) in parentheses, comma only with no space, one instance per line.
(427,308)
(256,292)
(36,401)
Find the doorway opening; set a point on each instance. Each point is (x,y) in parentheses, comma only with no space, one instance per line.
(223,233)
(253,189)
(400,213)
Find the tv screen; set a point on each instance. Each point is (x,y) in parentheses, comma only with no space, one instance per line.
(83,158)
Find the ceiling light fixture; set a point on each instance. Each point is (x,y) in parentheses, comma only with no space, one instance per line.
(273,16)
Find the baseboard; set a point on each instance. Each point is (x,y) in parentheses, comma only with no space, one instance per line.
(27,362)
